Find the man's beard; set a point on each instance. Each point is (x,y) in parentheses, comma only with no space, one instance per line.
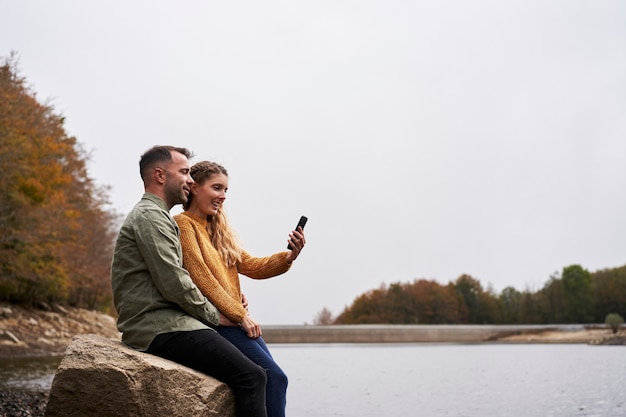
(176,196)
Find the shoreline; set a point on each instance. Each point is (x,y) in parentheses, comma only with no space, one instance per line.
(30,332)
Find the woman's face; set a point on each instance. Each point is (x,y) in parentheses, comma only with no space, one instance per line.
(209,197)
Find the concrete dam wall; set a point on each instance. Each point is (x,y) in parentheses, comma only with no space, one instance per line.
(396,333)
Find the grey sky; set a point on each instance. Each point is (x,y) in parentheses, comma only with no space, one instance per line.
(422,139)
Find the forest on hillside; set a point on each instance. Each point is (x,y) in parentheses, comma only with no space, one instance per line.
(56,234)
(574,296)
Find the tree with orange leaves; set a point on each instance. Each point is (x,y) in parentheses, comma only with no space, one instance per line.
(55,236)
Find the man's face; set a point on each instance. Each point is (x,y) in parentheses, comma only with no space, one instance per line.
(177,180)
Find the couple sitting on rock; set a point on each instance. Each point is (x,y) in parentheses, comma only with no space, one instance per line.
(176,285)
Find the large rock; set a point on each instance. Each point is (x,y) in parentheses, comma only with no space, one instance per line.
(102,377)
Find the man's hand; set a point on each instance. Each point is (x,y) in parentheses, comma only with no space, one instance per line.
(244,301)
(225,321)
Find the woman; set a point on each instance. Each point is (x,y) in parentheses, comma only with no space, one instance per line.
(215,260)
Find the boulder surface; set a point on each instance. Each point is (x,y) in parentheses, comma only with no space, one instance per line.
(102,377)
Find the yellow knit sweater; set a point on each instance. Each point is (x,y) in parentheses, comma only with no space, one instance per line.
(218,282)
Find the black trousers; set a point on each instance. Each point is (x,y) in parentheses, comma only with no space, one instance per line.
(208,352)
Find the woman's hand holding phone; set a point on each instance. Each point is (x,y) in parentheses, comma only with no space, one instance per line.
(296,240)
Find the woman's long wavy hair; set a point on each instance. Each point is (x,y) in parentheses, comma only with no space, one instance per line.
(222,235)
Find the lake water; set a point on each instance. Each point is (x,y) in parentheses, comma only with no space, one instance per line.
(433,380)
(28,373)
(454,380)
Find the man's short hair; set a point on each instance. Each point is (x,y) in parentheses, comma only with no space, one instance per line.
(158,155)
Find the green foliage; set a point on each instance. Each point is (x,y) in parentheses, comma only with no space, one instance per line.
(479,305)
(614,321)
(577,294)
(551,308)
(510,301)
(609,291)
(56,239)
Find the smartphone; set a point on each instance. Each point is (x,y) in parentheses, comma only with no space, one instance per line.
(301,224)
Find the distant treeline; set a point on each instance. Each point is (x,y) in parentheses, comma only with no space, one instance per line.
(56,235)
(576,296)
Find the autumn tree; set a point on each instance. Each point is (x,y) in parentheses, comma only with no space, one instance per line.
(398,305)
(480,305)
(323,318)
(368,308)
(419,302)
(56,236)
(435,303)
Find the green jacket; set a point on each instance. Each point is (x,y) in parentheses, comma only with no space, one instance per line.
(152,292)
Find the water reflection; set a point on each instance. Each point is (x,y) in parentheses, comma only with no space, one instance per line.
(28,373)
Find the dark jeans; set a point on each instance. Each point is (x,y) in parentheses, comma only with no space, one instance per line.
(208,352)
(258,352)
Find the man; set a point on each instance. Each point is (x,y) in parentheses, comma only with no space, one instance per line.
(160,309)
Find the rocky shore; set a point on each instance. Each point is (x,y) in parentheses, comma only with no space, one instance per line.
(47,330)
(591,335)
(21,403)
(38,332)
